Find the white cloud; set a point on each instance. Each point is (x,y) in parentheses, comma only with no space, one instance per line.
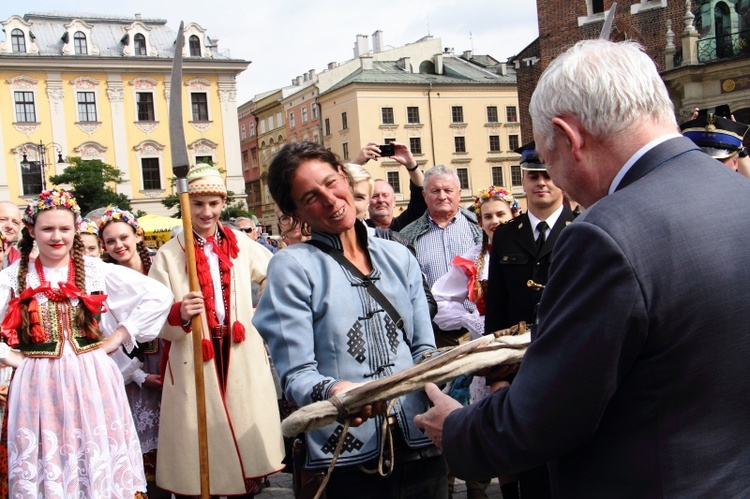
(284,39)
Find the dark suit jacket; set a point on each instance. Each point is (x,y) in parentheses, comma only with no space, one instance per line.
(513,261)
(637,384)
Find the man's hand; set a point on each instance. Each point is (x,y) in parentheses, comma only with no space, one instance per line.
(192,305)
(433,420)
(370,151)
(368,411)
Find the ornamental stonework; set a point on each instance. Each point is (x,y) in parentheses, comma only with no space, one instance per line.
(115,94)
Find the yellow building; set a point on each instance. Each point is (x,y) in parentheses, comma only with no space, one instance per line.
(448,109)
(98,88)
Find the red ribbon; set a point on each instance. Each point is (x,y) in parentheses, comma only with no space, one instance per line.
(95,303)
(470,269)
(13,317)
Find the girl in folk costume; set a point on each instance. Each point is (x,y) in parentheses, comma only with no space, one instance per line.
(244,439)
(123,243)
(89,232)
(467,277)
(70,430)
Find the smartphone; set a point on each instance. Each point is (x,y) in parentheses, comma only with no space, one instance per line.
(722,110)
(386,150)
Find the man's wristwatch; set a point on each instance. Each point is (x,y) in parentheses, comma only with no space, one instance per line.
(412,168)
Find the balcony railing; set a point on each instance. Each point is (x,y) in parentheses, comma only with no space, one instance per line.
(724,47)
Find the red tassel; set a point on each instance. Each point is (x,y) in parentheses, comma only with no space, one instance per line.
(238,332)
(208,350)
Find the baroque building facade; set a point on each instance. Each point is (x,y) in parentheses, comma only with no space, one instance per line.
(98,88)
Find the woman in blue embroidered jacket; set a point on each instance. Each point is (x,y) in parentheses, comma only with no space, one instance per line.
(326,333)
(70,430)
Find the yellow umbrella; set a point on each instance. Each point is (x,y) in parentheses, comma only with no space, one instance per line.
(157,229)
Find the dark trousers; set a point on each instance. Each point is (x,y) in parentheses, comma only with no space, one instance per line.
(420,479)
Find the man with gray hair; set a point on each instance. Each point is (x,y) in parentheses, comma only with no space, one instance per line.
(10,224)
(634,383)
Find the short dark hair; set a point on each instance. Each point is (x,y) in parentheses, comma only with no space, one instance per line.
(285,164)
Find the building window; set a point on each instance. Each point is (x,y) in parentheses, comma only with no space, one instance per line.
(494,143)
(195,46)
(252,129)
(393,179)
(515,175)
(145,103)
(497,176)
(460,144)
(511,115)
(412,115)
(597,6)
(18,42)
(415,145)
(513,142)
(457,114)
(316,139)
(245,161)
(25,112)
(86,106)
(262,126)
(344,122)
(271,126)
(492,114)
(206,160)
(327,123)
(314,111)
(139,42)
(345,147)
(199,101)
(243,132)
(304,114)
(79,43)
(31,178)
(291,119)
(279,119)
(463,177)
(150,172)
(386,114)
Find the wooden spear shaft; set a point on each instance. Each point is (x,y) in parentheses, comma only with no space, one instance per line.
(197,328)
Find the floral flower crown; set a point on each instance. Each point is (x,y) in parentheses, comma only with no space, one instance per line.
(115,214)
(49,199)
(494,192)
(88,227)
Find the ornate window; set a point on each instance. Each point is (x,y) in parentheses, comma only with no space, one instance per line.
(195,46)
(18,41)
(86,107)
(139,44)
(151,174)
(304,114)
(25,111)
(199,102)
(145,103)
(79,43)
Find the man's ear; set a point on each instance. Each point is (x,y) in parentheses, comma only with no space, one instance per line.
(572,131)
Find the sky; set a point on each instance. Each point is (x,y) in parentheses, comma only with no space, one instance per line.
(284,39)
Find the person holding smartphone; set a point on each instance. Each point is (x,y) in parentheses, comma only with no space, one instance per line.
(383,201)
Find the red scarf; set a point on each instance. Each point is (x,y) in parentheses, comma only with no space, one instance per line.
(226,249)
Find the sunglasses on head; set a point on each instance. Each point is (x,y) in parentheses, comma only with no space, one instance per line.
(247,229)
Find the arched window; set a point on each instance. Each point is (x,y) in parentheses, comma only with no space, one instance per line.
(723,23)
(18,40)
(195,46)
(79,43)
(139,42)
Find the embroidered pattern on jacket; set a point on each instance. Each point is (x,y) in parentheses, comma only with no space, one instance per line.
(317,391)
(350,444)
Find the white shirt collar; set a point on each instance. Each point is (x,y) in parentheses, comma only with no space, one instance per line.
(635,157)
(551,220)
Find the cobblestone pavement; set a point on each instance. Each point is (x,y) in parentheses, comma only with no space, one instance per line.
(281,487)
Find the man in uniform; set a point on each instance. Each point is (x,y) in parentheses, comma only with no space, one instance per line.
(719,137)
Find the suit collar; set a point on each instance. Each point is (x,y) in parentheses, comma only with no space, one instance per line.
(655,157)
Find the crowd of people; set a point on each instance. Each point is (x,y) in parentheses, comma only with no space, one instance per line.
(631,386)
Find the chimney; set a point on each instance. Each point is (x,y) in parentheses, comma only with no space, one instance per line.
(503,70)
(405,64)
(138,16)
(438,64)
(377,42)
(304,77)
(361,46)
(298,81)
(332,65)
(468,54)
(365,61)
(312,74)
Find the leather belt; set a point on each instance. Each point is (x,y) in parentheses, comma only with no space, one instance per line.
(219,331)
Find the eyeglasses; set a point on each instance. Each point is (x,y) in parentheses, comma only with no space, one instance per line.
(248,229)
